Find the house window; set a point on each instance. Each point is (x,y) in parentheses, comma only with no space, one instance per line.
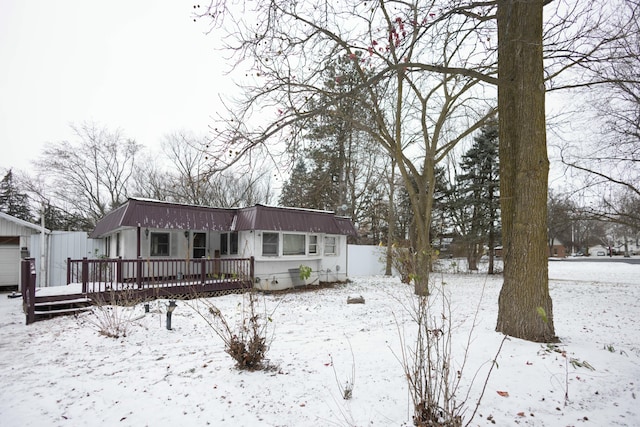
(199,245)
(117,244)
(224,243)
(233,243)
(270,244)
(330,245)
(107,247)
(159,244)
(313,245)
(229,243)
(293,244)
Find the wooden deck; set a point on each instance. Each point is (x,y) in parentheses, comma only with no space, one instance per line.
(120,281)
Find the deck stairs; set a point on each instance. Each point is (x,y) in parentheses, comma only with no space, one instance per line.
(47,308)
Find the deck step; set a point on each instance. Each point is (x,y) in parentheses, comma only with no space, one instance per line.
(62,311)
(73,305)
(63,302)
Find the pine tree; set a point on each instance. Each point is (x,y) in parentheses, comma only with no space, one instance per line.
(12,201)
(334,139)
(58,219)
(477,195)
(295,190)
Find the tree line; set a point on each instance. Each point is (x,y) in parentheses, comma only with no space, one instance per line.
(77,182)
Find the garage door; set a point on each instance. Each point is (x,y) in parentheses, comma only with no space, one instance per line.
(9,265)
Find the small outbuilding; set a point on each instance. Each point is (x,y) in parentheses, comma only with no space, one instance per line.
(15,241)
(283,242)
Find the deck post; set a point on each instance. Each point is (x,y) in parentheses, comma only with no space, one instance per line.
(251,270)
(28,285)
(203,271)
(139,272)
(68,271)
(119,270)
(85,274)
(24,273)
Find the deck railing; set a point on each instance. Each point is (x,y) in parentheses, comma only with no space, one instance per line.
(101,275)
(140,278)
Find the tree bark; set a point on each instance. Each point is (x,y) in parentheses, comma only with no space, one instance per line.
(524,307)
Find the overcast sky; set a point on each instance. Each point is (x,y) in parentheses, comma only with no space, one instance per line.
(144,67)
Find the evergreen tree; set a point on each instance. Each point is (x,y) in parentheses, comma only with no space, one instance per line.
(477,201)
(58,219)
(12,201)
(295,190)
(334,138)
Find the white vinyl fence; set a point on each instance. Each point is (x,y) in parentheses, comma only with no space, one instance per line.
(59,246)
(365,260)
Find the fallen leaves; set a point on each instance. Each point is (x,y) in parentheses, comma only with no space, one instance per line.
(503,393)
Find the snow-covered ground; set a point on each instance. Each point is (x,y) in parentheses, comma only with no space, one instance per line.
(61,372)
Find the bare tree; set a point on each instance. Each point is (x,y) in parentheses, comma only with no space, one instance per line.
(189,171)
(149,179)
(430,64)
(91,174)
(191,180)
(416,116)
(607,157)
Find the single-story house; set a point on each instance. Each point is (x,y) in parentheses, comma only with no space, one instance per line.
(557,249)
(280,240)
(15,241)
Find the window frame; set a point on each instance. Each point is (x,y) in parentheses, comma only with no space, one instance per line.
(233,243)
(224,243)
(154,235)
(202,250)
(294,238)
(334,245)
(229,243)
(313,243)
(275,244)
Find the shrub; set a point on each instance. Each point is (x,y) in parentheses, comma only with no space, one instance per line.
(248,342)
(112,315)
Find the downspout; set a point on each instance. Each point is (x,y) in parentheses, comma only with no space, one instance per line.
(138,253)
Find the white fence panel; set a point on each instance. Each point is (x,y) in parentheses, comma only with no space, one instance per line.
(366,260)
(60,246)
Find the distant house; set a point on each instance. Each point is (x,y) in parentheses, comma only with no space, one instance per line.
(280,240)
(557,249)
(15,243)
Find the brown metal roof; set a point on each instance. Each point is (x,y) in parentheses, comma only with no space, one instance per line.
(156,214)
(271,218)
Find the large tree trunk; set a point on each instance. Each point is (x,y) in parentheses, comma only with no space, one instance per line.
(524,307)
